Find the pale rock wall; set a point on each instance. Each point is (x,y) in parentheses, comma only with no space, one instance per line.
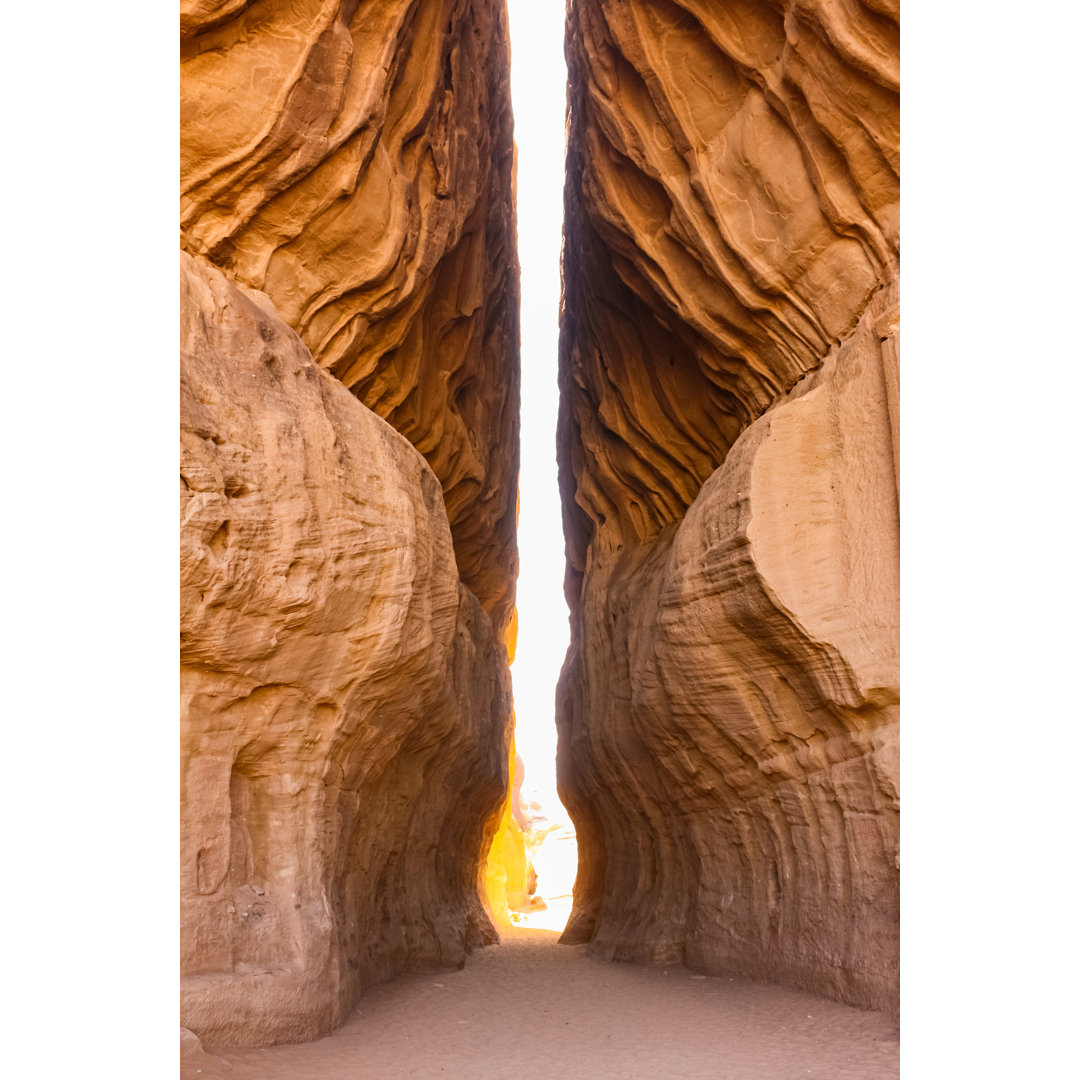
(345,700)
(727,448)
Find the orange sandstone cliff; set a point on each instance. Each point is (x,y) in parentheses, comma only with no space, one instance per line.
(349,467)
(728,709)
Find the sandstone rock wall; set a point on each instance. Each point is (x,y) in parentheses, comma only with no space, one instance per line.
(727,444)
(344,698)
(350,288)
(354,161)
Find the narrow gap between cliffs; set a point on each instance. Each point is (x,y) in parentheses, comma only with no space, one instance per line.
(538,93)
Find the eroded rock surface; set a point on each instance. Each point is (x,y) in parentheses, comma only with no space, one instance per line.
(347,608)
(345,699)
(354,161)
(727,445)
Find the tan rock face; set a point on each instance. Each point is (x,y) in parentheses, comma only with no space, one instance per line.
(347,608)
(354,161)
(345,712)
(727,449)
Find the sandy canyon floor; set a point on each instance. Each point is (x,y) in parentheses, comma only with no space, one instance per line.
(533,1008)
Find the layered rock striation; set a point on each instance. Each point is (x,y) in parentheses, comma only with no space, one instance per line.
(727,444)
(344,698)
(354,162)
(348,497)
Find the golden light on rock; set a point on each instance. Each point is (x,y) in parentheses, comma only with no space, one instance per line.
(354,806)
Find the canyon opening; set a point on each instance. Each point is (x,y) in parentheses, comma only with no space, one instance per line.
(598,432)
(538,91)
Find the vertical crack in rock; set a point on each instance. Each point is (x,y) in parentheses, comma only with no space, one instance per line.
(349,420)
(728,709)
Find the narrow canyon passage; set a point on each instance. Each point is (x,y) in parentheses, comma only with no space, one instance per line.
(358,569)
(538,93)
(533,1008)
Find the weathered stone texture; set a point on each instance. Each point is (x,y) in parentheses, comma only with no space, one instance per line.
(345,700)
(354,161)
(347,217)
(727,447)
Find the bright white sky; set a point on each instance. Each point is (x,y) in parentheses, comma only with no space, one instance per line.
(538,89)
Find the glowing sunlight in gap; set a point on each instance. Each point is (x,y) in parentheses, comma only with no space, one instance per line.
(538,89)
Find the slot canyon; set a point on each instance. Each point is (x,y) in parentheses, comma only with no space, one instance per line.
(727,453)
